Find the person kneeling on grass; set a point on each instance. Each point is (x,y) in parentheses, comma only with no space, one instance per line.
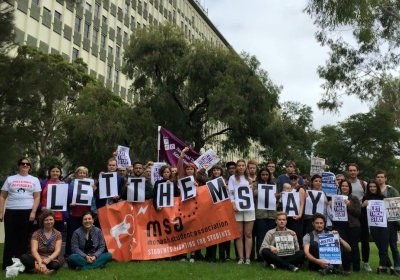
(288,255)
(88,246)
(311,247)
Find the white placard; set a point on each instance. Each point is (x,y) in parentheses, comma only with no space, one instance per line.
(136,189)
(217,189)
(123,159)
(376,213)
(187,188)
(315,202)
(83,192)
(392,206)
(266,199)
(244,199)
(291,203)
(57,196)
(339,208)
(317,165)
(155,169)
(108,185)
(165,195)
(207,160)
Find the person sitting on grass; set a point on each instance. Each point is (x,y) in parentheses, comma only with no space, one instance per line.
(311,247)
(45,247)
(88,246)
(270,251)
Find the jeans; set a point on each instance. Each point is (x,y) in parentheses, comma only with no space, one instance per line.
(76,260)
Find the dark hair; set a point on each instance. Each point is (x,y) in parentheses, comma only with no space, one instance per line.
(51,168)
(25,158)
(290,162)
(88,213)
(368,193)
(315,176)
(45,213)
(230,163)
(163,168)
(377,172)
(269,181)
(137,162)
(216,167)
(318,216)
(348,183)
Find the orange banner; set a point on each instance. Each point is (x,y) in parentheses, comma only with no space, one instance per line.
(136,231)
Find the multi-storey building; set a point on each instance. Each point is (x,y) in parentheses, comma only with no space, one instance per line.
(98,30)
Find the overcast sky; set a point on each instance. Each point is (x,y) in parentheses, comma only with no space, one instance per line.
(281,36)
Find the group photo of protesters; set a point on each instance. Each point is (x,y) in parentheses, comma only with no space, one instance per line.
(201,210)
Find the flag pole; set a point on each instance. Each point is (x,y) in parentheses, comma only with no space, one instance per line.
(158,144)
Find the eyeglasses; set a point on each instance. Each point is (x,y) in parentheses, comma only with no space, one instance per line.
(25,164)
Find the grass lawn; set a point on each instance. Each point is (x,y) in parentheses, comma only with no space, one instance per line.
(198,270)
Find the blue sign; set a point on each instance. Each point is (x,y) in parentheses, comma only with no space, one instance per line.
(329,183)
(329,248)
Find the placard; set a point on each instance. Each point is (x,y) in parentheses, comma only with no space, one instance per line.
(376,213)
(329,248)
(284,243)
(291,203)
(207,160)
(328,183)
(155,170)
(392,206)
(244,199)
(136,191)
(57,196)
(123,158)
(315,202)
(339,208)
(83,192)
(108,185)
(266,199)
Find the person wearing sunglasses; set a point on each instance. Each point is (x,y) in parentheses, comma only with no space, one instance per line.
(22,192)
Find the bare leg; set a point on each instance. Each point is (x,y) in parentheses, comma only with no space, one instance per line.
(248,230)
(239,241)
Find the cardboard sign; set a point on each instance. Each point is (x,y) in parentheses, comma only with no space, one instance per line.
(136,189)
(315,202)
(376,213)
(155,170)
(266,199)
(187,187)
(329,248)
(317,165)
(165,195)
(123,158)
(291,203)
(392,206)
(207,160)
(339,208)
(328,183)
(83,192)
(244,199)
(139,232)
(284,242)
(217,190)
(57,196)
(108,185)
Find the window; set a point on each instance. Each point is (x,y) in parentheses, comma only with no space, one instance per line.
(78,23)
(126,7)
(104,20)
(103,41)
(46,10)
(36,2)
(119,11)
(117,51)
(125,36)
(75,53)
(57,15)
(88,7)
(133,20)
(110,50)
(118,31)
(109,72)
(116,76)
(87,30)
(95,35)
(96,10)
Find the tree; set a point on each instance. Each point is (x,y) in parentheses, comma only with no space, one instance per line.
(369,139)
(6,27)
(360,63)
(96,127)
(37,91)
(199,91)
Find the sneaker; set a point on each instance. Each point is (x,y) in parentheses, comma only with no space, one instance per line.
(293,268)
(183,259)
(271,265)
(394,271)
(191,260)
(241,261)
(366,267)
(382,270)
(248,261)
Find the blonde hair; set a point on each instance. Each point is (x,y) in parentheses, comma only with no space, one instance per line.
(81,168)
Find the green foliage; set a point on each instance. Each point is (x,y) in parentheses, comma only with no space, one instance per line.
(359,63)
(95,128)
(198,91)
(370,139)
(6,27)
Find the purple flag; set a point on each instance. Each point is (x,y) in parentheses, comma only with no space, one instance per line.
(170,147)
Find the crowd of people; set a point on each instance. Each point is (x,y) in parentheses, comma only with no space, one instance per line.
(24,197)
